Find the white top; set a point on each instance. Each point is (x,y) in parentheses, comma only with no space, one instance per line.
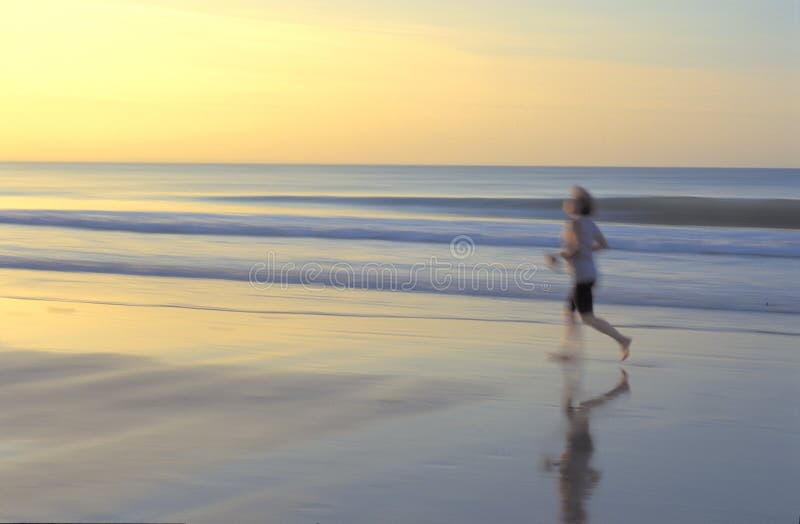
(582,262)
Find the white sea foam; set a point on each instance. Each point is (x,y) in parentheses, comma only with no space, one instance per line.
(647,239)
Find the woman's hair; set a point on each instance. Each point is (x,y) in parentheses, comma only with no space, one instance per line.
(584,203)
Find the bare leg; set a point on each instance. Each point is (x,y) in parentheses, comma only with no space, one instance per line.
(607,329)
(569,317)
(569,339)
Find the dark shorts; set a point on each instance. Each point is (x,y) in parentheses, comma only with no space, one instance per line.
(581,297)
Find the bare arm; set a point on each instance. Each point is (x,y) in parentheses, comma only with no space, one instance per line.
(570,244)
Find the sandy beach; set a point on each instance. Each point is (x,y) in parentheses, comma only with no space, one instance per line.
(334,408)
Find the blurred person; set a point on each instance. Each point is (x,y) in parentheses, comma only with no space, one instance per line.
(580,239)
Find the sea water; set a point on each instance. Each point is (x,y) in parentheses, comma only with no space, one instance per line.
(722,239)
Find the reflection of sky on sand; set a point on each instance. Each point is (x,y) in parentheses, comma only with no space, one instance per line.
(130,423)
(113,408)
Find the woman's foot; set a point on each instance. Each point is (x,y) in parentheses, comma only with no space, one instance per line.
(625,347)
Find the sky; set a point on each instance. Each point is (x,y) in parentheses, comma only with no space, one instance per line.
(503,82)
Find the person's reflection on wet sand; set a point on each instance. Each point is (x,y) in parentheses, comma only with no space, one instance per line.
(577,478)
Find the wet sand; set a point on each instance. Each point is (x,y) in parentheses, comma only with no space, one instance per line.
(126,398)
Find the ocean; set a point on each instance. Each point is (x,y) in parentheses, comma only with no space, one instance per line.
(721,239)
(370,344)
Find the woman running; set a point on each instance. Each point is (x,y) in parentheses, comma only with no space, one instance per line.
(581,237)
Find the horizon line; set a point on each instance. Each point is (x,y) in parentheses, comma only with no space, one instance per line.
(374,164)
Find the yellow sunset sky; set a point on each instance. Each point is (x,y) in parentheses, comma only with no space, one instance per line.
(473,82)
